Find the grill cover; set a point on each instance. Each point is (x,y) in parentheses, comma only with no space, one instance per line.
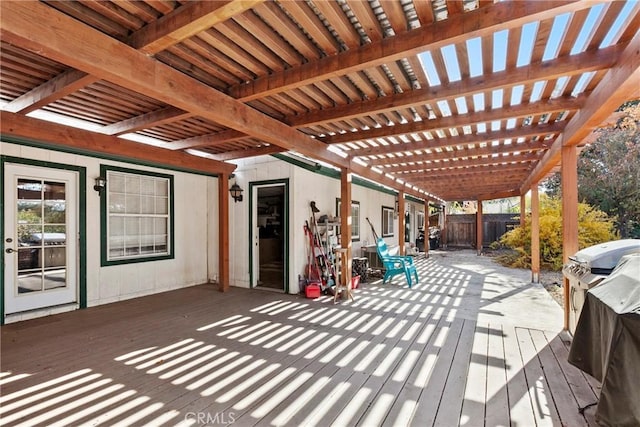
(606,343)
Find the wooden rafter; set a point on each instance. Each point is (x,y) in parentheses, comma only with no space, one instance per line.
(248,152)
(619,85)
(476,171)
(461,163)
(145,121)
(429,37)
(461,140)
(327,70)
(97,54)
(508,112)
(457,155)
(19,126)
(207,140)
(174,27)
(562,67)
(56,88)
(186,21)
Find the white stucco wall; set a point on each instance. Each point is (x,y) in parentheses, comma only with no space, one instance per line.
(304,186)
(195,235)
(196,224)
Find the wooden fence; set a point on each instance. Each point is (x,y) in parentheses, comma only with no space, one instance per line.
(461,228)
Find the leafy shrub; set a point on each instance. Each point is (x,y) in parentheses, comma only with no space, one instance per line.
(594,226)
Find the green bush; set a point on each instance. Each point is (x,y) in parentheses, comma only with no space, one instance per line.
(594,226)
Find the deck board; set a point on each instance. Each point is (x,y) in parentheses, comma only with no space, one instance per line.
(457,349)
(497,403)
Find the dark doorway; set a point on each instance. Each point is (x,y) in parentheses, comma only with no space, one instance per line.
(271,236)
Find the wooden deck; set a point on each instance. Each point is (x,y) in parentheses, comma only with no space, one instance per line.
(472,344)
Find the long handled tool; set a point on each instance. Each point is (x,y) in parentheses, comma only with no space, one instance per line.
(330,274)
(312,261)
(373,230)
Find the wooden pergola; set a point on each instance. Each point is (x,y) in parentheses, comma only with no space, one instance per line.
(440,100)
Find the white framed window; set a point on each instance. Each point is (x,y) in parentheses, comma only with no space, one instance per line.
(355,218)
(387,221)
(137,217)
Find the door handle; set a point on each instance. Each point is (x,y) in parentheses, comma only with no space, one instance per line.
(10,250)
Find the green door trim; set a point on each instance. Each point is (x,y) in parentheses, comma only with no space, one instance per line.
(82,223)
(252,185)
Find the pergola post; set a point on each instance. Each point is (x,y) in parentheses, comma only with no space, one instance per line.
(401,208)
(569,170)
(345,225)
(535,234)
(425,228)
(479,228)
(523,209)
(443,231)
(223,232)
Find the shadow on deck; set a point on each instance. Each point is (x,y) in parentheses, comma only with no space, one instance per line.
(472,344)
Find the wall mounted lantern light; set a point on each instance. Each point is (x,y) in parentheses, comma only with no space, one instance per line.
(100,184)
(236,192)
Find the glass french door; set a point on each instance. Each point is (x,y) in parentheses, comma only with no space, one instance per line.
(41,237)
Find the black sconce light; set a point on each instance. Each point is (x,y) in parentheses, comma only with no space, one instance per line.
(100,184)
(236,192)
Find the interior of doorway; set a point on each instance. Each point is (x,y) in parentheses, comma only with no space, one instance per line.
(271,236)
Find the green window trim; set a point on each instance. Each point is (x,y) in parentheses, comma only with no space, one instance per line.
(355,219)
(108,171)
(387,221)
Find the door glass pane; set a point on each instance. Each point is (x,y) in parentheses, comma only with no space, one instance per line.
(54,279)
(55,235)
(41,232)
(29,235)
(29,282)
(55,267)
(29,212)
(28,259)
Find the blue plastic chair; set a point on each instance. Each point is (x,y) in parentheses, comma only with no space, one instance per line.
(395,264)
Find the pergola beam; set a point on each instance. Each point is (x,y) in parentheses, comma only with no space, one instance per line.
(477,171)
(210,140)
(461,164)
(58,87)
(619,84)
(248,152)
(465,141)
(442,123)
(84,48)
(185,22)
(19,126)
(171,29)
(479,23)
(569,65)
(484,194)
(146,121)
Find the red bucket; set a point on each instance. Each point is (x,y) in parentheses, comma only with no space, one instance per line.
(355,282)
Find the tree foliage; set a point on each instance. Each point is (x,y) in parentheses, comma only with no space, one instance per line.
(594,226)
(609,171)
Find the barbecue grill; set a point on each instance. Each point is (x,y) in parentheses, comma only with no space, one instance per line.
(590,266)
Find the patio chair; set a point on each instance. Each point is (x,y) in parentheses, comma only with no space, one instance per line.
(395,264)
